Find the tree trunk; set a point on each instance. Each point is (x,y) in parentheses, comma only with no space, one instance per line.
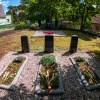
(82,19)
(39,22)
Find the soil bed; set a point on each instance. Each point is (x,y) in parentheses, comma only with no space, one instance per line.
(89,77)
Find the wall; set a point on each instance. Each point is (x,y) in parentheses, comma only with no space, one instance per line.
(6,20)
(95,27)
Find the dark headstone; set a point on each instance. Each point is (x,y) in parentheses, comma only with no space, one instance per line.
(73,44)
(25,44)
(49,43)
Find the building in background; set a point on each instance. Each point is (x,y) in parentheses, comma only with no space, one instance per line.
(96,24)
(4,19)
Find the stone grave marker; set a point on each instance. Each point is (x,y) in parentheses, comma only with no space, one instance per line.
(25,44)
(73,44)
(49,43)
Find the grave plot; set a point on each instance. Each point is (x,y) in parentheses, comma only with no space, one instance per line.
(88,75)
(10,74)
(49,79)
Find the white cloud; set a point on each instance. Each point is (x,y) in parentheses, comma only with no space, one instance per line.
(4,3)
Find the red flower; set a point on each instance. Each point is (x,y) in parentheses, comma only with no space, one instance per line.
(83,68)
(49,32)
(49,88)
(90,67)
(50,71)
(39,73)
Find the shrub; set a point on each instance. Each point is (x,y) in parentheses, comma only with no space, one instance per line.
(48,59)
(79,59)
(33,26)
(21,25)
(62,26)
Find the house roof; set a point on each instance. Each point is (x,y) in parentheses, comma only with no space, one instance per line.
(2,14)
(96,19)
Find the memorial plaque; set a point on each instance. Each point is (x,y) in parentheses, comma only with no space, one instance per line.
(73,44)
(25,44)
(49,43)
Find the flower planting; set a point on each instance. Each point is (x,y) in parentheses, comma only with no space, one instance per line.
(9,74)
(48,73)
(87,71)
(48,32)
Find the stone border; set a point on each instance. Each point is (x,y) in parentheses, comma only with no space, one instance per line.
(59,90)
(85,83)
(10,87)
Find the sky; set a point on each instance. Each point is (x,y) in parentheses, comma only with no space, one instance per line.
(7,3)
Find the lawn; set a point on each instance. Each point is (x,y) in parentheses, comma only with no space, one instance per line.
(86,42)
(11,41)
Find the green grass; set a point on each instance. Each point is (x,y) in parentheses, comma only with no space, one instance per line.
(62,44)
(86,42)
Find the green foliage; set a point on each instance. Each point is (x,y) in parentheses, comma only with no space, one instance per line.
(48,59)
(21,25)
(33,26)
(79,59)
(62,26)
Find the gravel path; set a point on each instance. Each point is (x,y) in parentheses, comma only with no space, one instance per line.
(24,89)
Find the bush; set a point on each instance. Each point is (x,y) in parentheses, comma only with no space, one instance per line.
(48,59)
(79,59)
(21,25)
(62,26)
(33,26)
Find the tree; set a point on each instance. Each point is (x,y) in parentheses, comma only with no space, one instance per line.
(13,12)
(83,10)
(40,9)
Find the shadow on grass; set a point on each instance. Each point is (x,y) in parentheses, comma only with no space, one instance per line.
(80,35)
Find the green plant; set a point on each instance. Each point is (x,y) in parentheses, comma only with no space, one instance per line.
(47,60)
(21,25)
(62,26)
(79,59)
(33,26)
